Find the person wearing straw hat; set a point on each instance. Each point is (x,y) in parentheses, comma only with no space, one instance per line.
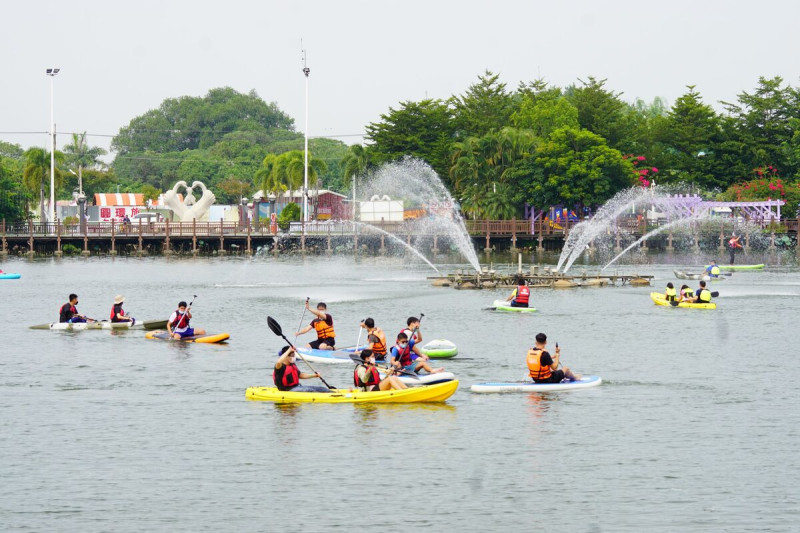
(117,314)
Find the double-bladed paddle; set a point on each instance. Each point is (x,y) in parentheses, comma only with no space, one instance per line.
(276,329)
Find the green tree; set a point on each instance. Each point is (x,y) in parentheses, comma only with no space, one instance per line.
(232,190)
(81,155)
(544,112)
(601,111)
(356,162)
(12,201)
(150,193)
(36,175)
(290,213)
(577,168)
(486,106)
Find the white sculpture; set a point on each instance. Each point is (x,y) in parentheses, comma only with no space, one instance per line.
(190,209)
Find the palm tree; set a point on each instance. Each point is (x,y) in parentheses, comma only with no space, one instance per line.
(82,155)
(36,174)
(356,161)
(266,177)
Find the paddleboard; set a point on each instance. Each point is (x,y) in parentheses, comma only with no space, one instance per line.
(439,349)
(503,305)
(424,379)
(203,339)
(9,276)
(431,393)
(339,357)
(659,299)
(529,386)
(104,324)
(742,267)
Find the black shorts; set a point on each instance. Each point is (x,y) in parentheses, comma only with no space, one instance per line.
(514,303)
(555,377)
(315,344)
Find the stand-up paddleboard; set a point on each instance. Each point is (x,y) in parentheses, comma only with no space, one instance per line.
(704,276)
(529,386)
(439,349)
(103,324)
(504,305)
(204,339)
(660,299)
(741,267)
(8,275)
(422,379)
(327,356)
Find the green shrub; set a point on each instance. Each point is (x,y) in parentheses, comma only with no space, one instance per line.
(68,221)
(290,213)
(70,249)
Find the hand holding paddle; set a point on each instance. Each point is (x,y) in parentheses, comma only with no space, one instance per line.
(357,359)
(276,329)
(180,318)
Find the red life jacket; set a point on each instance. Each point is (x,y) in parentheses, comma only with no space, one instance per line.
(523,294)
(404,356)
(287,377)
(182,321)
(373,378)
(114,313)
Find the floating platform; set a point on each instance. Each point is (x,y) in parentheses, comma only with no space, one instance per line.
(544,279)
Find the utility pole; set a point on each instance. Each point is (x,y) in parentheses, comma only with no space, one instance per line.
(306,71)
(52,73)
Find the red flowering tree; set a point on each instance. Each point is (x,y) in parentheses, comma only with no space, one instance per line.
(766,185)
(644,173)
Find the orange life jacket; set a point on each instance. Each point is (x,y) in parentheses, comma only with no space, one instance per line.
(324,331)
(379,348)
(537,371)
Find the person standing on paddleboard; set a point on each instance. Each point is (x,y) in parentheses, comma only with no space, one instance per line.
(323,324)
(543,367)
(178,323)
(733,244)
(521,295)
(117,314)
(376,339)
(367,378)
(69,311)
(287,376)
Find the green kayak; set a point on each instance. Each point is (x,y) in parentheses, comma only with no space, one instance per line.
(440,349)
(741,267)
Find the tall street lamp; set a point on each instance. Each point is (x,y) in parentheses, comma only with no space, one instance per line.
(306,71)
(52,73)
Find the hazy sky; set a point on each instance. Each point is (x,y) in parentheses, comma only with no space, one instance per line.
(121,59)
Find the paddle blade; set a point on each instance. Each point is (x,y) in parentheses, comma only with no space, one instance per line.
(715,294)
(673,303)
(274,326)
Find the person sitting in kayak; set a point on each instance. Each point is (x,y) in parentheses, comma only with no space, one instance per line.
(69,311)
(287,376)
(702,295)
(117,314)
(670,294)
(412,331)
(323,324)
(367,378)
(178,323)
(376,339)
(406,356)
(543,367)
(712,270)
(521,295)
(686,294)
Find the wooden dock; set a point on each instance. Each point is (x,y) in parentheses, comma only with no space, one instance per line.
(536,278)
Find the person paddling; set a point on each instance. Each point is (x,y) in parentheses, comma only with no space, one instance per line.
(376,339)
(713,270)
(543,367)
(178,323)
(733,244)
(287,376)
(521,295)
(412,330)
(117,314)
(686,293)
(367,378)
(69,311)
(323,324)
(406,356)
(702,295)
(670,293)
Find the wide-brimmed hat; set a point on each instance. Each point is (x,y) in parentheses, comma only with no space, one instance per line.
(118,299)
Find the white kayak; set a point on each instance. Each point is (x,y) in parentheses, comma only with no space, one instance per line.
(423,379)
(529,386)
(101,324)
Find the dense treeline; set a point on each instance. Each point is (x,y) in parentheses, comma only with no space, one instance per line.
(494,147)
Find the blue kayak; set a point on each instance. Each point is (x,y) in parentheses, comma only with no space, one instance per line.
(8,275)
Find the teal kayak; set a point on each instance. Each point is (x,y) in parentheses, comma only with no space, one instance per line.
(741,267)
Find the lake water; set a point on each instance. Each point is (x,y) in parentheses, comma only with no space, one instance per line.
(695,427)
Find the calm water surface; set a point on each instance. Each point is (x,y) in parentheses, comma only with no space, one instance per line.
(694,429)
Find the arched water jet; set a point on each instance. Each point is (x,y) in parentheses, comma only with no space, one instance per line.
(399,240)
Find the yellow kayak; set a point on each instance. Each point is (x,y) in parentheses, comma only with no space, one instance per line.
(659,299)
(430,393)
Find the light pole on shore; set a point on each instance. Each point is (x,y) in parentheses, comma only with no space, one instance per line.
(306,71)
(52,212)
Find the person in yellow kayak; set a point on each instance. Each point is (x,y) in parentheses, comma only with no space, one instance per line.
(178,323)
(521,295)
(367,378)
(713,270)
(543,367)
(670,294)
(117,314)
(702,295)
(686,294)
(287,376)
(376,339)
(323,324)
